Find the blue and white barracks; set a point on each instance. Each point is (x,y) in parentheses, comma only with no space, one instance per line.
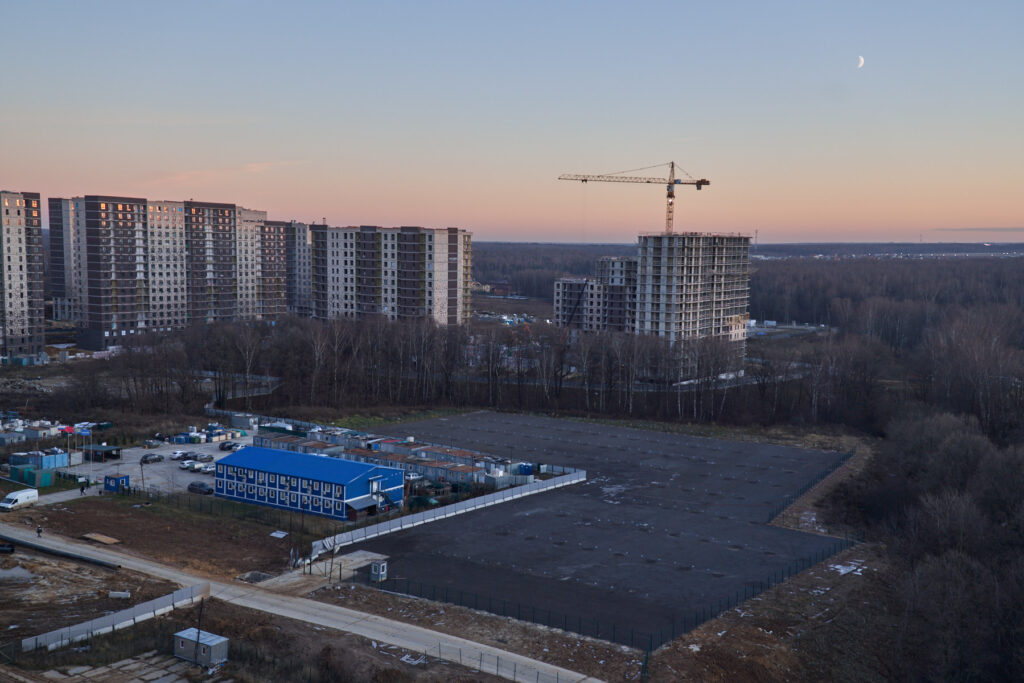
(315,484)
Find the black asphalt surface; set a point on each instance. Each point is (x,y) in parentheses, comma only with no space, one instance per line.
(665,526)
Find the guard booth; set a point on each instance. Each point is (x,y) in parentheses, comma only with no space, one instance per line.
(379,571)
(115,484)
(200,647)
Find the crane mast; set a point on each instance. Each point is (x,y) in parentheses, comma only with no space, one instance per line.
(670,183)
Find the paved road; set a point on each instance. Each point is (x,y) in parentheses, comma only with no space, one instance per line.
(433,643)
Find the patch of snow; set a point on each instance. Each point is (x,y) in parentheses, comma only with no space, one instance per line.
(722,633)
(855,567)
(696,648)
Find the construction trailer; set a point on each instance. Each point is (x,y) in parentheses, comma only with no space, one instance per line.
(200,647)
(312,484)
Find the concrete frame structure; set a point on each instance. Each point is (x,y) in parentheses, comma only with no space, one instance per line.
(681,286)
(21,279)
(693,285)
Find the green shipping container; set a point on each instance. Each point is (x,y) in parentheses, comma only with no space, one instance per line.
(22,473)
(42,478)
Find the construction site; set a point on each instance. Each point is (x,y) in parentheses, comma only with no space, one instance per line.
(658,535)
(682,287)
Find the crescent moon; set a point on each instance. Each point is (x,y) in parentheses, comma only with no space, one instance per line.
(860,62)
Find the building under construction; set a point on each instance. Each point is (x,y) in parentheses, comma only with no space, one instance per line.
(680,286)
(684,287)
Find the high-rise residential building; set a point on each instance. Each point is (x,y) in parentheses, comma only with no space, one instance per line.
(605,302)
(167,266)
(212,272)
(693,285)
(113,301)
(21,281)
(65,272)
(619,277)
(396,273)
(299,267)
(273,288)
(123,266)
(680,286)
(248,240)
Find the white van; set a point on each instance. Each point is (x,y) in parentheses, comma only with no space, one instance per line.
(19,499)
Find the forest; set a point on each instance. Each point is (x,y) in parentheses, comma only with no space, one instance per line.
(925,357)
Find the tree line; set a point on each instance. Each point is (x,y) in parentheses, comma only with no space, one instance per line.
(946,335)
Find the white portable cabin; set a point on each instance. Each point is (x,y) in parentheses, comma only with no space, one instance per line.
(209,651)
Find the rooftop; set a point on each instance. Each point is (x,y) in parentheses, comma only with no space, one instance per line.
(320,467)
(205,637)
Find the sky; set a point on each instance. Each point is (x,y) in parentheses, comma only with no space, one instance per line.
(465,113)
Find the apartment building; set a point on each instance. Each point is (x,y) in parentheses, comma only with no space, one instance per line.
(212,274)
(580,303)
(273,283)
(167,266)
(248,239)
(122,266)
(693,285)
(299,267)
(605,302)
(619,277)
(396,273)
(65,273)
(21,281)
(680,286)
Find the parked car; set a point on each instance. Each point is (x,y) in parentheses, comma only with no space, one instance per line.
(178,455)
(186,464)
(196,466)
(238,446)
(151,457)
(208,468)
(200,487)
(204,457)
(19,499)
(227,445)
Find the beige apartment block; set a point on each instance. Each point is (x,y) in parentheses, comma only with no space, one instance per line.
(394,273)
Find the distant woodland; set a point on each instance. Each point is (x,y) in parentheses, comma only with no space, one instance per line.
(926,356)
(532,269)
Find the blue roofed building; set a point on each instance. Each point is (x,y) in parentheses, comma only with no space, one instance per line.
(314,484)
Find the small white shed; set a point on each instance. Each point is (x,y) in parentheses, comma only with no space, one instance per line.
(210,649)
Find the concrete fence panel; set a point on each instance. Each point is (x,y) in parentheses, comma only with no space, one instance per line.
(118,620)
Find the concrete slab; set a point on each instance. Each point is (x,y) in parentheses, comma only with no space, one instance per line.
(666,526)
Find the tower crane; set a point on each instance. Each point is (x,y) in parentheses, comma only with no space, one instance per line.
(669,182)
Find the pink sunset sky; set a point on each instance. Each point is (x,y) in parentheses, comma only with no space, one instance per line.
(465,113)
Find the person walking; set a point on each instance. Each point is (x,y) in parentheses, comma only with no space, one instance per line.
(39,531)
(81,489)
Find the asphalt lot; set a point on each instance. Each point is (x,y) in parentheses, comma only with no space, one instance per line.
(164,476)
(665,525)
